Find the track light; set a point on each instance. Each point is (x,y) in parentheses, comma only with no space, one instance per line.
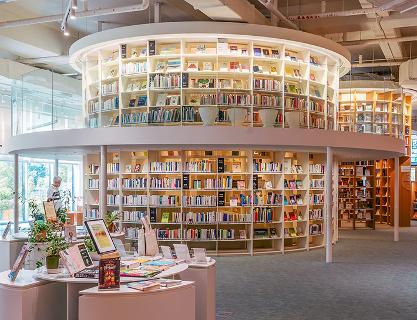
(74,4)
(65,29)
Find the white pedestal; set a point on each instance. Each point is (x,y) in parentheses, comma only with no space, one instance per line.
(169,303)
(30,299)
(204,277)
(9,249)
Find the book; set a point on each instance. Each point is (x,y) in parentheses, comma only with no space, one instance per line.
(161,263)
(274,53)
(76,258)
(265,52)
(207,66)
(89,273)
(6,230)
(223,67)
(145,285)
(161,99)
(70,233)
(18,264)
(233,49)
(242,234)
(123,51)
(152,215)
(142,101)
(109,272)
(236,167)
(165,217)
(192,66)
(161,66)
(257,52)
(152,47)
(168,283)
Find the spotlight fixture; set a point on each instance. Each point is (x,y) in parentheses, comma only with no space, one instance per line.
(74,4)
(65,29)
(64,22)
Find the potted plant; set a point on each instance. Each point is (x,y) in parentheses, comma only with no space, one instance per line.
(62,213)
(236,115)
(268,116)
(208,114)
(110,219)
(39,231)
(56,244)
(292,118)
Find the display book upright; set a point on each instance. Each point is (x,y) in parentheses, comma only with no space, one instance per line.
(229,202)
(167,81)
(356,195)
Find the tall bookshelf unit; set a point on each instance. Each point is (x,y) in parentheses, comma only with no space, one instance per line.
(210,80)
(357,194)
(384,206)
(230,202)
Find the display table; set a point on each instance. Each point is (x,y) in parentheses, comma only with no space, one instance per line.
(204,278)
(30,299)
(75,285)
(166,303)
(9,248)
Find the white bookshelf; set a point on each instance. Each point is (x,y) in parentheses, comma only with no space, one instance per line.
(251,209)
(269,79)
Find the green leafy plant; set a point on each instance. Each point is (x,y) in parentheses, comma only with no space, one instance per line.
(110,219)
(35,211)
(89,244)
(56,244)
(40,232)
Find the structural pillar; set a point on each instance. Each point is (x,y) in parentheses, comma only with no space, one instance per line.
(16,194)
(397,199)
(103,181)
(335,211)
(329,199)
(56,168)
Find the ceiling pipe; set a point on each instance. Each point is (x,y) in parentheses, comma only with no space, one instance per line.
(377,64)
(347,13)
(269,4)
(391,4)
(82,14)
(377,41)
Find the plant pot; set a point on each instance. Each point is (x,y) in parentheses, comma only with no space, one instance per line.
(236,116)
(292,119)
(268,117)
(52,264)
(208,115)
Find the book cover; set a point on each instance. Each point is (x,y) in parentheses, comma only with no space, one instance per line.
(161,99)
(186,181)
(265,52)
(220,165)
(223,67)
(145,285)
(152,215)
(275,53)
(184,80)
(192,66)
(255,182)
(142,101)
(257,52)
(109,273)
(236,167)
(165,217)
(152,47)
(89,273)
(123,51)
(6,230)
(221,199)
(207,66)
(20,260)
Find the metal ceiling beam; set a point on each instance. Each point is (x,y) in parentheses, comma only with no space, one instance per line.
(377,41)
(269,4)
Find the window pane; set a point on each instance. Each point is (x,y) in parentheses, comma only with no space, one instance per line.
(6,189)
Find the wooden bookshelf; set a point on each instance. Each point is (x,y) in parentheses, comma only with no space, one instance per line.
(357,194)
(383,204)
(229,202)
(243,82)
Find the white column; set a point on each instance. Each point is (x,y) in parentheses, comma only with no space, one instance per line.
(103,181)
(335,210)
(328,206)
(56,168)
(397,199)
(16,193)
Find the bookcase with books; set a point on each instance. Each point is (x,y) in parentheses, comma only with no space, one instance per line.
(357,194)
(374,107)
(227,201)
(383,170)
(210,81)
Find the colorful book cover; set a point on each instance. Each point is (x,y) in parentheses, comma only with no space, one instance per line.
(165,217)
(109,274)
(18,263)
(145,285)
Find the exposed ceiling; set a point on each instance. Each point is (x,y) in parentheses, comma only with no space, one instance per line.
(355,23)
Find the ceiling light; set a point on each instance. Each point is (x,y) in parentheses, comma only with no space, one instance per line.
(74,4)
(65,29)
(72,14)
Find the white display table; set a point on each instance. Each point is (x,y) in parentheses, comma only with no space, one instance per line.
(30,299)
(75,285)
(204,278)
(168,303)
(9,248)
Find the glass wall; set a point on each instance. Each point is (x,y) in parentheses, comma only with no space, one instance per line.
(35,176)
(43,100)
